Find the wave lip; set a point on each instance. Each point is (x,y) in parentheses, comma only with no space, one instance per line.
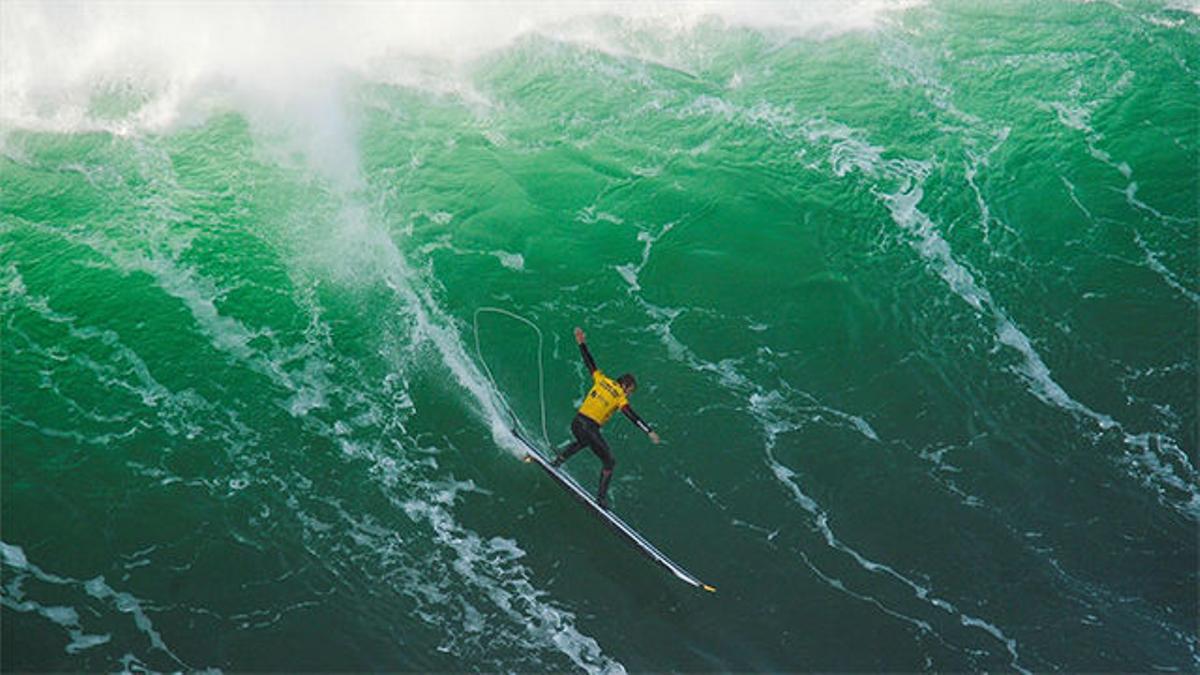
(130,66)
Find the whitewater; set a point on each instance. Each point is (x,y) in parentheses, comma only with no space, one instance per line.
(910,289)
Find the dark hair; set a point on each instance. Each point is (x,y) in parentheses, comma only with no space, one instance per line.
(627,381)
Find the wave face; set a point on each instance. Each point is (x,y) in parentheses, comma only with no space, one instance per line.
(911,290)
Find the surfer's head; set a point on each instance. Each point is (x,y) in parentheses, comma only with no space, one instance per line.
(627,383)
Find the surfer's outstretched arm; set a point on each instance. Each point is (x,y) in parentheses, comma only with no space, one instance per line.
(587,356)
(639,422)
(636,418)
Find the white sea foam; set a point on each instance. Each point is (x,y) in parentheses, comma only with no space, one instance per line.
(308,385)
(473,590)
(1071,190)
(487,566)
(775,414)
(14,556)
(848,151)
(128,66)
(920,591)
(1075,113)
(159,253)
(766,410)
(118,368)
(1032,368)
(513,261)
(66,617)
(1192,6)
(14,597)
(847,154)
(629,272)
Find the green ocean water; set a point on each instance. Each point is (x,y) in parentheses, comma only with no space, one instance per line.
(911,292)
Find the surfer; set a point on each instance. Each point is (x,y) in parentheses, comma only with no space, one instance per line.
(605,397)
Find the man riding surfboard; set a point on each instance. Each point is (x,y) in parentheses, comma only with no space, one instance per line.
(604,398)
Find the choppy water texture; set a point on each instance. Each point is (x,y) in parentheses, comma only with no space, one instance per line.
(911,290)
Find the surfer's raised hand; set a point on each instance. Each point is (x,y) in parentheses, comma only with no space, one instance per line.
(579,336)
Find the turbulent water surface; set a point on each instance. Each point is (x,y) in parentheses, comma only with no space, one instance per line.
(911,290)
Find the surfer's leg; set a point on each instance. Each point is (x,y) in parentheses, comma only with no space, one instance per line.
(600,447)
(582,438)
(565,454)
(602,497)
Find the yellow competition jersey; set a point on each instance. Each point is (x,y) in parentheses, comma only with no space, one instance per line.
(605,397)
